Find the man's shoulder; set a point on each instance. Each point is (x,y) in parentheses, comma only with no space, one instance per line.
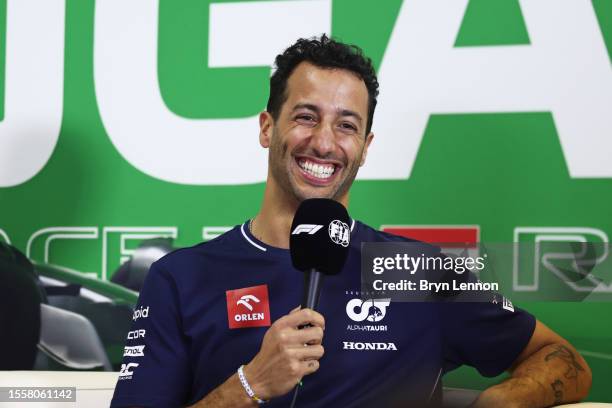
(226,243)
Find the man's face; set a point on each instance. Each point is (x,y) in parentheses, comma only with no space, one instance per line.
(318,141)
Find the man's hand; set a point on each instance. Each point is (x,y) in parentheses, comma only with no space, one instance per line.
(287,354)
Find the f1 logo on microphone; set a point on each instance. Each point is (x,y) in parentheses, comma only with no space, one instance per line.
(248,307)
(309,228)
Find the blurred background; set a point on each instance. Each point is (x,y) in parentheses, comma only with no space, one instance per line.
(130,128)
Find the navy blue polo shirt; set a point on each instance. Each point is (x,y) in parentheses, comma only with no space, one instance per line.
(203,312)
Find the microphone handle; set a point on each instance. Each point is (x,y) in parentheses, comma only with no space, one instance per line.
(312,290)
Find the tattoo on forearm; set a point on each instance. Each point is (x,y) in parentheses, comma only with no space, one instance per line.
(557,388)
(566,355)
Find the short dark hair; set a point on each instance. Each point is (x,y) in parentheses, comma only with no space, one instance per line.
(323,52)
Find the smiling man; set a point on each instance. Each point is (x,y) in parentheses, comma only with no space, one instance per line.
(222,328)
(316,148)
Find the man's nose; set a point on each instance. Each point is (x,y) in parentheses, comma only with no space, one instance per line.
(323,139)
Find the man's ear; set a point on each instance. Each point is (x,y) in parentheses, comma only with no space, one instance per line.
(266,124)
(368,140)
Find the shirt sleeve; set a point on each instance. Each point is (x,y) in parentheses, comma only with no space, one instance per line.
(487,335)
(155,370)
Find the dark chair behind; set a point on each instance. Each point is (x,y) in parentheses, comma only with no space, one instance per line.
(20,300)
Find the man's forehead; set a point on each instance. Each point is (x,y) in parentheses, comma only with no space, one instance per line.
(335,88)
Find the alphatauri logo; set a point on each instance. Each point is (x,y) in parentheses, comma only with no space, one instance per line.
(359,346)
(372,310)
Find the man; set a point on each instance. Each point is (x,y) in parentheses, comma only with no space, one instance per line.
(217,324)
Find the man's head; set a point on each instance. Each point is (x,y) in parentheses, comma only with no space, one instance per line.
(319,117)
(324,53)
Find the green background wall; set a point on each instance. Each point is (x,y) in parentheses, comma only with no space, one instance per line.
(495,170)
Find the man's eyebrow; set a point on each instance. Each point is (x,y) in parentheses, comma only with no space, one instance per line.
(308,106)
(347,112)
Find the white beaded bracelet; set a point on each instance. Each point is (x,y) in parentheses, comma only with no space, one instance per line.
(247,387)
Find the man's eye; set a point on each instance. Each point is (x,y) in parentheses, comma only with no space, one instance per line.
(348,126)
(306,117)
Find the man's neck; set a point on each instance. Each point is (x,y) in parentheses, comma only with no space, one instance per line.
(272,224)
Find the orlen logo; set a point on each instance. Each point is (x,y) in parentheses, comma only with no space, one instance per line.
(372,310)
(142,312)
(136,334)
(244,300)
(350,345)
(308,228)
(125,373)
(248,307)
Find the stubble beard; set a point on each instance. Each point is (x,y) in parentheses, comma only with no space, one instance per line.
(280,164)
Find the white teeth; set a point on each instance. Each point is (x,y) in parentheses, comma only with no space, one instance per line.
(317,170)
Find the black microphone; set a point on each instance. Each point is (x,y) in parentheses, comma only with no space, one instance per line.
(319,243)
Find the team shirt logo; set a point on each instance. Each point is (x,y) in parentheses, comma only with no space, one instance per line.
(367,311)
(125,373)
(507,305)
(248,307)
(135,351)
(143,312)
(244,300)
(136,334)
(360,346)
(372,310)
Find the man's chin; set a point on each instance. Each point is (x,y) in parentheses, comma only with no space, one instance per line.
(305,193)
(314,192)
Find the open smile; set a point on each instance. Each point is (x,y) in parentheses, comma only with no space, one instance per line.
(316,171)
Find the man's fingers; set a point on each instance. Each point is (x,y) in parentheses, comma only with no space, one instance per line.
(309,352)
(287,320)
(310,366)
(304,317)
(308,335)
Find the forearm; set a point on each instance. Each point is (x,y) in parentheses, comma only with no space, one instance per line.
(553,375)
(230,394)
